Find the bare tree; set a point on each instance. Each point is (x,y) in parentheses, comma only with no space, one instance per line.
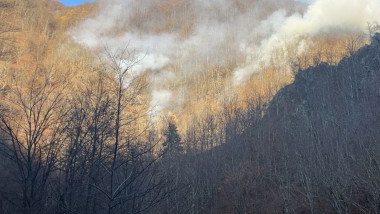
(32,113)
(88,129)
(129,180)
(372,29)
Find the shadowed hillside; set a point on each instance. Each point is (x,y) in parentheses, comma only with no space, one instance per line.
(316,150)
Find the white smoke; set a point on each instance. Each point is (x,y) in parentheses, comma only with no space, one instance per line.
(160,100)
(321,16)
(176,37)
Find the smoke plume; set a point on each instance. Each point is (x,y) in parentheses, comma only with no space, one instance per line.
(179,37)
(321,16)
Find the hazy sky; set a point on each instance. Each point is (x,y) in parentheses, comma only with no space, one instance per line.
(76,2)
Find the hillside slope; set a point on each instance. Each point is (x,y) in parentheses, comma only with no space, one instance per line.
(337,103)
(316,150)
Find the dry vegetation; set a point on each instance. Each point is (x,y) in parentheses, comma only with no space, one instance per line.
(79,138)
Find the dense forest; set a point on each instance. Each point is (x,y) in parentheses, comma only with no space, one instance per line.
(105,129)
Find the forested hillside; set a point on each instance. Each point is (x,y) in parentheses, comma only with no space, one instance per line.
(316,149)
(187,106)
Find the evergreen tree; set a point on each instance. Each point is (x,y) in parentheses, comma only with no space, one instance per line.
(172,145)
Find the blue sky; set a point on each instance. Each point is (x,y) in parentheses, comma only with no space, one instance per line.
(73,2)
(76,2)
